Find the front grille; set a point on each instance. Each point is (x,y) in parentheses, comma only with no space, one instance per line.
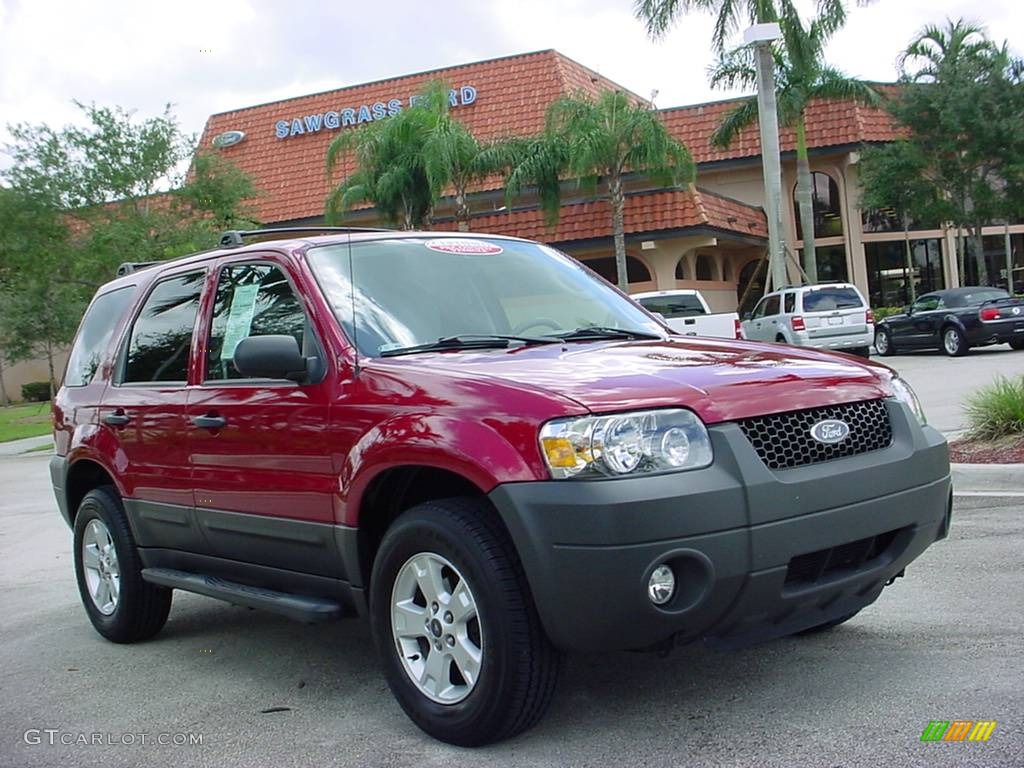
(783,440)
(805,570)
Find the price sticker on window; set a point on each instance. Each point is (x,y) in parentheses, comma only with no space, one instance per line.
(243,308)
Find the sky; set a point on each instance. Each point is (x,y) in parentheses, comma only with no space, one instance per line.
(211,56)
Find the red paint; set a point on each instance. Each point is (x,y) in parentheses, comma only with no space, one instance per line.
(309,452)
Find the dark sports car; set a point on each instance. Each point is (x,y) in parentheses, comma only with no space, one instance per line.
(954,320)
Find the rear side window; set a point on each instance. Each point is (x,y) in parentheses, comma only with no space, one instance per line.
(94,334)
(252,300)
(789,303)
(162,334)
(830,298)
(673,306)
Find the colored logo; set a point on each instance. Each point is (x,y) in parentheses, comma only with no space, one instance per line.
(830,431)
(958,730)
(462,246)
(227,139)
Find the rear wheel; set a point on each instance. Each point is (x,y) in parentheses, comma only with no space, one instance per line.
(1017,344)
(954,343)
(453,620)
(121,606)
(861,351)
(883,342)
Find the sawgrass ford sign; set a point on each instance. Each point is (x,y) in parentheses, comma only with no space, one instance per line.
(332,120)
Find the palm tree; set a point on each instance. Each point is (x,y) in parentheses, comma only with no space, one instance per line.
(958,53)
(660,15)
(598,141)
(802,77)
(406,163)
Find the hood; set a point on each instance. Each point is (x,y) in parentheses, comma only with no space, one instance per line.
(719,380)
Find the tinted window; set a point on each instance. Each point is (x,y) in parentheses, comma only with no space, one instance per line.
(94,335)
(162,334)
(673,306)
(830,298)
(252,300)
(926,304)
(771,306)
(789,303)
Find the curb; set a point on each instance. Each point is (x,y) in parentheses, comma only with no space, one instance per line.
(988,478)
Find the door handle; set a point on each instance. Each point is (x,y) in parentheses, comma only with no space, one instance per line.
(116,419)
(209,421)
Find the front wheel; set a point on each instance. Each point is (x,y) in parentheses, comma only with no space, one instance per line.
(883,342)
(954,343)
(453,620)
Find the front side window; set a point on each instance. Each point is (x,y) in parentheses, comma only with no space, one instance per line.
(926,304)
(251,300)
(98,324)
(416,290)
(158,350)
(771,307)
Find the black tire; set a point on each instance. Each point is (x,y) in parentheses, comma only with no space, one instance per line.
(864,352)
(1017,344)
(518,668)
(953,342)
(142,608)
(886,348)
(828,625)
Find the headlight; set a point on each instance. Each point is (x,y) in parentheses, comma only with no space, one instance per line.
(625,443)
(902,392)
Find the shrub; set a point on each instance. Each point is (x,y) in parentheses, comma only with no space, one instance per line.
(883,312)
(36,391)
(998,409)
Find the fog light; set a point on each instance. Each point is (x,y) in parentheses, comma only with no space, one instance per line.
(662,585)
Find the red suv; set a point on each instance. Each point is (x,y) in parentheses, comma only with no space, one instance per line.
(483,447)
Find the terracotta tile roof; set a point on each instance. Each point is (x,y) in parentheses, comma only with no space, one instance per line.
(645,212)
(829,123)
(512,96)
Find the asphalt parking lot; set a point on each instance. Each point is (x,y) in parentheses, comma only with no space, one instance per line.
(942,382)
(944,643)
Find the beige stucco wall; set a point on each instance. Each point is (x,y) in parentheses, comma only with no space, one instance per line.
(30,370)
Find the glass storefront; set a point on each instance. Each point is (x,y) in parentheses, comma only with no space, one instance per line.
(828,216)
(995,261)
(831,263)
(889,278)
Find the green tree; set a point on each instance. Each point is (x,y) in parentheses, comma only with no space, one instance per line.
(896,176)
(659,15)
(962,104)
(405,164)
(598,141)
(802,78)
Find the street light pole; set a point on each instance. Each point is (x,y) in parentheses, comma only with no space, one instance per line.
(762,36)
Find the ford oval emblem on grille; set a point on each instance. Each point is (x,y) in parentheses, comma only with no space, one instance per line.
(830,431)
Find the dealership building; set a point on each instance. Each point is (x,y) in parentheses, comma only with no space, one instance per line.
(711,236)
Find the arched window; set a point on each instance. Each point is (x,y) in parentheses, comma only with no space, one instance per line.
(636,270)
(704,269)
(828,209)
(682,272)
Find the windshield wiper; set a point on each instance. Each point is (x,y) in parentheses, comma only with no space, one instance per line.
(587,332)
(466,341)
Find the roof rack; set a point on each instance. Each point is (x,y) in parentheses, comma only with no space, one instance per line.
(134,266)
(236,237)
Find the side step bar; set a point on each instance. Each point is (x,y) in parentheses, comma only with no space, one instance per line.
(312,610)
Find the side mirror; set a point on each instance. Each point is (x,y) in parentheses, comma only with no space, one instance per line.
(271,357)
(908,310)
(747,316)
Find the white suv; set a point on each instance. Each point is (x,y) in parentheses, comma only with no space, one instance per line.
(825,316)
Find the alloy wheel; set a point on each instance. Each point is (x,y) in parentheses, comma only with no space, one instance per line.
(436,628)
(100,566)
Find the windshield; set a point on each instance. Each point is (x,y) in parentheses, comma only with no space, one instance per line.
(831,298)
(413,291)
(673,306)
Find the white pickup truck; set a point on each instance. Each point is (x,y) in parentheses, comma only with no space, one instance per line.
(687,312)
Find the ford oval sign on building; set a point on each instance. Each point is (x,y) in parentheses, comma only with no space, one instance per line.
(227,139)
